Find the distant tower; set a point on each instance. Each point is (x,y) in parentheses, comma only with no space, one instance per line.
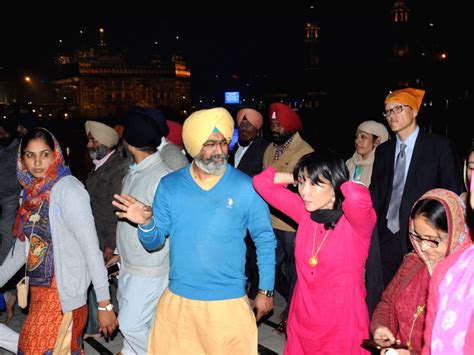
(101,37)
(401,29)
(312,45)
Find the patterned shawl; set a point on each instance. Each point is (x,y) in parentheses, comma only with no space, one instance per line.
(458,233)
(456,307)
(35,191)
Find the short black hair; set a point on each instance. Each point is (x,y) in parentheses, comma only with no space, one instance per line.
(327,165)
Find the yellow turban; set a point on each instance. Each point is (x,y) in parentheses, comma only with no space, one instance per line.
(409,96)
(199,125)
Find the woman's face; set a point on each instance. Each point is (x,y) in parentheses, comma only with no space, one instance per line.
(470,166)
(37,158)
(364,143)
(315,196)
(424,236)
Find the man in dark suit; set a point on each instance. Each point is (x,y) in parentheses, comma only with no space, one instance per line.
(247,156)
(405,168)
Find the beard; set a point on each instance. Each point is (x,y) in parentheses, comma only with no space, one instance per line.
(280,138)
(215,165)
(98,153)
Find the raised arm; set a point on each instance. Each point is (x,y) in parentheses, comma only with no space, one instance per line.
(272,187)
(357,207)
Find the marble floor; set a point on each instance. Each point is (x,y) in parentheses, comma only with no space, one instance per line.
(270,342)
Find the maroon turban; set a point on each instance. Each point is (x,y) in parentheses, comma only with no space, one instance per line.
(286,117)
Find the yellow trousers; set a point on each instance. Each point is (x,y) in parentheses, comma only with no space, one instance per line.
(183,326)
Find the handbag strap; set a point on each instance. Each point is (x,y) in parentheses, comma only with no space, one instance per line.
(32,231)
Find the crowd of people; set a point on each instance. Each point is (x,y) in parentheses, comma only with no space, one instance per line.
(378,246)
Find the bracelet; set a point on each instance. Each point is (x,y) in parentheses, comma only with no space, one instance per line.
(107,308)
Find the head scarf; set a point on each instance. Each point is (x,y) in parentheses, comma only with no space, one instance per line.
(36,191)
(253,116)
(456,307)
(408,96)
(375,128)
(286,117)
(199,125)
(102,133)
(176,133)
(458,233)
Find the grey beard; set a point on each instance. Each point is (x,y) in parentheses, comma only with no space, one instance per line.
(98,153)
(211,166)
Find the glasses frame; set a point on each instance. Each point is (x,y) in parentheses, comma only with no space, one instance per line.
(394,110)
(213,144)
(429,243)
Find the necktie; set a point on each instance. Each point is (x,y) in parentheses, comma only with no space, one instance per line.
(393,222)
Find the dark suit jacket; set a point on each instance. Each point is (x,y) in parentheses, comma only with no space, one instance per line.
(434,164)
(252,160)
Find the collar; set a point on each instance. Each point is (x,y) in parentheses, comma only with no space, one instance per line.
(98,163)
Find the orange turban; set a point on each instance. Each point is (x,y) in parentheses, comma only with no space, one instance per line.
(286,117)
(253,116)
(409,96)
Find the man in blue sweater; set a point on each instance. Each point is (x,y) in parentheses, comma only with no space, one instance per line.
(206,208)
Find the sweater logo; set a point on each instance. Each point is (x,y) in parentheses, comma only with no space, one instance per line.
(230,202)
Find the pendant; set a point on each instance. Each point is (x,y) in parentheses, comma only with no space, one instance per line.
(34,217)
(313,261)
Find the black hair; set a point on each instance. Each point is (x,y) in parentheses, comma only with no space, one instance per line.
(36,133)
(327,165)
(433,211)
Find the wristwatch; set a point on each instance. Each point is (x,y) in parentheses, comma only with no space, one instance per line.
(266,293)
(391,351)
(107,308)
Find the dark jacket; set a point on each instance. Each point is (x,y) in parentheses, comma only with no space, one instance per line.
(434,164)
(102,184)
(252,160)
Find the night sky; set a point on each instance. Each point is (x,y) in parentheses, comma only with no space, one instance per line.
(230,39)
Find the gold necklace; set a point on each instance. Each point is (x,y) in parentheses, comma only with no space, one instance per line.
(313,260)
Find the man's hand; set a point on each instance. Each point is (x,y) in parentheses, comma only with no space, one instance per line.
(108,253)
(107,320)
(114,259)
(262,305)
(132,209)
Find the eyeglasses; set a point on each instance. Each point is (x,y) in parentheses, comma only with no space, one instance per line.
(396,109)
(429,243)
(213,144)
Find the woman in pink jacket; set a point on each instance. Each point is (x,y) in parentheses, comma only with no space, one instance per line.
(328,312)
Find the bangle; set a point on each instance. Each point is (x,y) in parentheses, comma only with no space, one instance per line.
(266,292)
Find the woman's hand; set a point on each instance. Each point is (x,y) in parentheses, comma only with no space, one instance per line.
(393,351)
(132,209)
(383,335)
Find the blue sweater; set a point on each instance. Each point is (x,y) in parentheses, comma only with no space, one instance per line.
(207,229)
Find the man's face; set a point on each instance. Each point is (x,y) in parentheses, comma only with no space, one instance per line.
(212,158)
(5,138)
(403,122)
(96,150)
(279,134)
(247,132)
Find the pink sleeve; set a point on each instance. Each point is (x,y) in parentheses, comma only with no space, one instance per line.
(278,196)
(357,207)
